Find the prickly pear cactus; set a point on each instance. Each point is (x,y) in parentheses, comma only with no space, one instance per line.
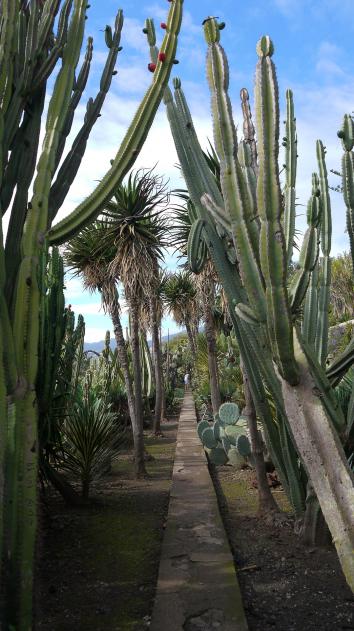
(229,413)
(225,440)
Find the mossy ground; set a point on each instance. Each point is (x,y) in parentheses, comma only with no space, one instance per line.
(98,565)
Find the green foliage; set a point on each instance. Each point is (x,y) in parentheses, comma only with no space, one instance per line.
(223,440)
(342,289)
(91,439)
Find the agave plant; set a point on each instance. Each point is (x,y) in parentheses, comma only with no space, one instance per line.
(91,438)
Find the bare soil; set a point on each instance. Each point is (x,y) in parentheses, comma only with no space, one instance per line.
(98,565)
(285,585)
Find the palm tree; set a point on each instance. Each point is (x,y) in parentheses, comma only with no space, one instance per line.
(136,229)
(156,313)
(88,256)
(206,288)
(205,283)
(180,297)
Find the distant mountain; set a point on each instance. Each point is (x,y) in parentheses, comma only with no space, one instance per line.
(99,346)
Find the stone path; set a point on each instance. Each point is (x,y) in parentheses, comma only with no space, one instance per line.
(197,587)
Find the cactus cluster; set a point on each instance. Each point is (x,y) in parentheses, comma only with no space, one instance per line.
(36,39)
(256,216)
(225,440)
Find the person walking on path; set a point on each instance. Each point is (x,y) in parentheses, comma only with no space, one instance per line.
(186,381)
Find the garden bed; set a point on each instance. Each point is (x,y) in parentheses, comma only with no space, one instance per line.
(285,585)
(98,565)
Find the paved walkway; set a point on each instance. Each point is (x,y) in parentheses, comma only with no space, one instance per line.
(197,587)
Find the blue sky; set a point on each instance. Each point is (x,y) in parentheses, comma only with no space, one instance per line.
(314,55)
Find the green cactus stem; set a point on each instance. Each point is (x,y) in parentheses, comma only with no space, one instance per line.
(248,128)
(269,202)
(237,199)
(243,445)
(235,458)
(309,323)
(325,266)
(290,142)
(208,438)
(202,425)
(309,249)
(72,161)
(232,432)
(217,456)
(133,139)
(229,413)
(346,134)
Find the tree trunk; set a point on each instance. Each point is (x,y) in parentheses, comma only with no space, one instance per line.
(324,459)
(157,366)
(266,500)
(191,340)
(123,360)
(314,530)
(212,357)
(135,346)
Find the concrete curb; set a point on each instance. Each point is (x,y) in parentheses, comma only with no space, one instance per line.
(197,587)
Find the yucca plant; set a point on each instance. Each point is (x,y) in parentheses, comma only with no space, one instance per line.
(91,437)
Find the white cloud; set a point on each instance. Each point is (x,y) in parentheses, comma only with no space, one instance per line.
(328,67)
(133,36)
(288,7)
(88,309)
(327,55)
(95,334)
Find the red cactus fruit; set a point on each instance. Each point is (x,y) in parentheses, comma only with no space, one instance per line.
(162,57)
(163,25)
(151,67)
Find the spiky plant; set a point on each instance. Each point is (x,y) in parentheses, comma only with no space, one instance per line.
(91,438)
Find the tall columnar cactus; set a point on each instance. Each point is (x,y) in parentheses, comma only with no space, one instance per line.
(325,267)
(272,347)
(309,249)
(290,142)
(29,52)
(200,179)
(346,134)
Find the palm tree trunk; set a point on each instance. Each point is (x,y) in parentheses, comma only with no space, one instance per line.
(123,360)
(212,357)
(135,346)
(266,500)
(157,365)
(191,339)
